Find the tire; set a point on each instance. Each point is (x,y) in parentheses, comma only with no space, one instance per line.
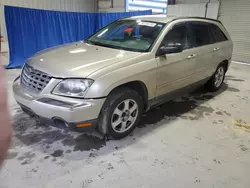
(216,81)
(120,114)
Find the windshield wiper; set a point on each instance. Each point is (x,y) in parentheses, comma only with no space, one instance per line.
(88,42)
(97,43)
(113,46)
(104,45)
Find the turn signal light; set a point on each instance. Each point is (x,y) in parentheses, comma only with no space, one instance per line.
(84,125)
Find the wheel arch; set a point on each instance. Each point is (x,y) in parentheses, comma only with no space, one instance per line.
(226,64)
(138,86)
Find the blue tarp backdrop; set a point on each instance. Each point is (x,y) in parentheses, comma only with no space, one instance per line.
(32,30)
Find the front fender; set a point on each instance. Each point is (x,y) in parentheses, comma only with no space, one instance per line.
(145,72)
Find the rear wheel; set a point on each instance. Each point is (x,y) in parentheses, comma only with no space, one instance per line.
(216,81)
(120,113)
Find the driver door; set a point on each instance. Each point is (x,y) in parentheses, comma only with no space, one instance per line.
(176,70)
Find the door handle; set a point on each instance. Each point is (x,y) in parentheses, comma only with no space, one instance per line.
(192,56)
(216,49)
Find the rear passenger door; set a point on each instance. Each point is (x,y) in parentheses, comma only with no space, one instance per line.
(203,43)
(221,44)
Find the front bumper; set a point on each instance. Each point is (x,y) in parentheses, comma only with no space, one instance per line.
(69,110)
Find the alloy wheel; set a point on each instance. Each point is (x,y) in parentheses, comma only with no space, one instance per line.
(124,116)
(219,76)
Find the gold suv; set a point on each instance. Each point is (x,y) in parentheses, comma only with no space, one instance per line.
(123,70)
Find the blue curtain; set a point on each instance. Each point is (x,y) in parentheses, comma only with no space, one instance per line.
(32,30)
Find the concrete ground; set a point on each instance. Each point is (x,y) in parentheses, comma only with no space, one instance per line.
(189,143)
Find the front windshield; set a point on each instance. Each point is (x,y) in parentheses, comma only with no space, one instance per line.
(129,35)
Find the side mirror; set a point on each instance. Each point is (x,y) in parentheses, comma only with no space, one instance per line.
(170,49)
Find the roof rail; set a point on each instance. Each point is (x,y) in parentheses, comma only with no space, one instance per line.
(202,18)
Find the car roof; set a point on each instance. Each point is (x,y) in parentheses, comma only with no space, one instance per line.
(165,19)
(152,18)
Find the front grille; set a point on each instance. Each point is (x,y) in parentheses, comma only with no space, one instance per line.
(34,80)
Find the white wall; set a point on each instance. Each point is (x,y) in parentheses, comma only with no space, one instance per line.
(193,1)
(157,6)
(188,9)
(120,5)
(106,6)
(67,5)
(63,5)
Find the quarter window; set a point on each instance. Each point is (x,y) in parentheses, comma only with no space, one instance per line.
(201,34)
(217,34)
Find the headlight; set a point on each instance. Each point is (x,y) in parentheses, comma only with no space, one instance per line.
(73,87)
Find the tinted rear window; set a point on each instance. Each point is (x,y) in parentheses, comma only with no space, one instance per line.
(217,34)
(201,34)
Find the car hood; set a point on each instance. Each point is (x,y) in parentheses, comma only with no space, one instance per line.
(77,59)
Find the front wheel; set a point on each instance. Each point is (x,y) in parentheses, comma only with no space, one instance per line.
(120,113)
(216,81)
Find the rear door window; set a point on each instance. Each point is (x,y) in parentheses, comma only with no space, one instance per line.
(217,34)
(200,34)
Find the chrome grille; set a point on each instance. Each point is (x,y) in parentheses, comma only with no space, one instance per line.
(33,79)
